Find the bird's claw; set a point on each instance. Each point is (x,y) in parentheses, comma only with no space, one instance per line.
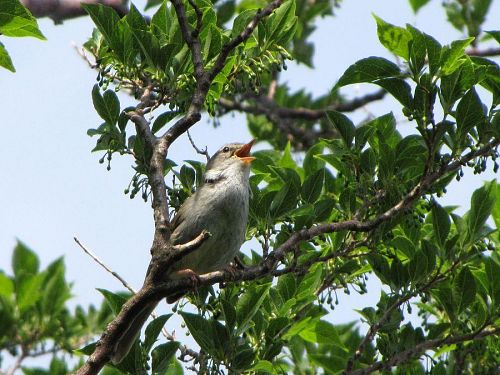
(189,273)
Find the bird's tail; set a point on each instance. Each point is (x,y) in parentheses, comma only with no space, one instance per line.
(127,339)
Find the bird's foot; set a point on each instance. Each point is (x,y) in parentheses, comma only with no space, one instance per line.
(189,273)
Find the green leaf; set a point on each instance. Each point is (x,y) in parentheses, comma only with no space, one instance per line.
(107,106)
(200,329)
(135,19)
(263,366)
(28,291)
(310,282)
(398,88)
(322,332)
(454,55)
(87,349)
(492,270)
(163,119)
(495,34)
(417,267)
(162,355)
(368,70)
(286,160)
(242,20)
(5,60)
(443,295)
(323,209)
(311,163)
(17,21)
(284,201)
(153,330)
(496,209)
(281,22)
(115,301)
(6,285)
(229,312)
(464,289)
(243,358)
(248,304)
(313,185)
(113,106)
(482,202)
(187,176)
(24,261)
(331,363)
(55,289)
(441,223)
(394,38)
(469,112)
(106,19)
(344,126)
(417,4)
(433,53)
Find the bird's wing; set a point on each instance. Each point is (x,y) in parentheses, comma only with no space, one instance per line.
(185,225)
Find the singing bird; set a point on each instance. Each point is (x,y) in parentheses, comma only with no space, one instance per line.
(219,206)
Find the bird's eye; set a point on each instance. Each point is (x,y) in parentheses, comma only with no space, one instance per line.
(225,149)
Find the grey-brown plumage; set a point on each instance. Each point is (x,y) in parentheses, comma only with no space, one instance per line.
(220,206)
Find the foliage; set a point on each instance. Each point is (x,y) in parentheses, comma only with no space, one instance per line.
(360,203)
(35,318)
(15,21)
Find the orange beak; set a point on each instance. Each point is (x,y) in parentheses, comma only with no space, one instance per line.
(244,152)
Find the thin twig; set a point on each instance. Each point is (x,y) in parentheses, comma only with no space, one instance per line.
(121,279)
(198,150)
(103,265)
(17,364)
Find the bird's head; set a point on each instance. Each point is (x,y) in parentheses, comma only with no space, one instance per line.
(231,158)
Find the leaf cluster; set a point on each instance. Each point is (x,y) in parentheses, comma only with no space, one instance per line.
(35,319)
(15,21)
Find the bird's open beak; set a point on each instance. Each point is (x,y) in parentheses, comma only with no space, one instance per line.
(244,152)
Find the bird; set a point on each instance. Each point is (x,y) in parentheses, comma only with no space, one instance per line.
(219,206)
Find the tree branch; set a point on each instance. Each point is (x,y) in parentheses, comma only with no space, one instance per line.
(489,52)
(204,80)
(198,150)
(375,327)
(103,265)
(406,355)
(241,37)
(285,117)
(61,10)
(264,106)
(191,38)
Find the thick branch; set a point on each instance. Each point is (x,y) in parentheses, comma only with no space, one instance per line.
(163,260)
(192,38)
(285,118)
(265,106)
(155,171)
(489,52)
(60,10)
(418,350)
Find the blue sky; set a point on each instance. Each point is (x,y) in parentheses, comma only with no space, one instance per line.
(52,188)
